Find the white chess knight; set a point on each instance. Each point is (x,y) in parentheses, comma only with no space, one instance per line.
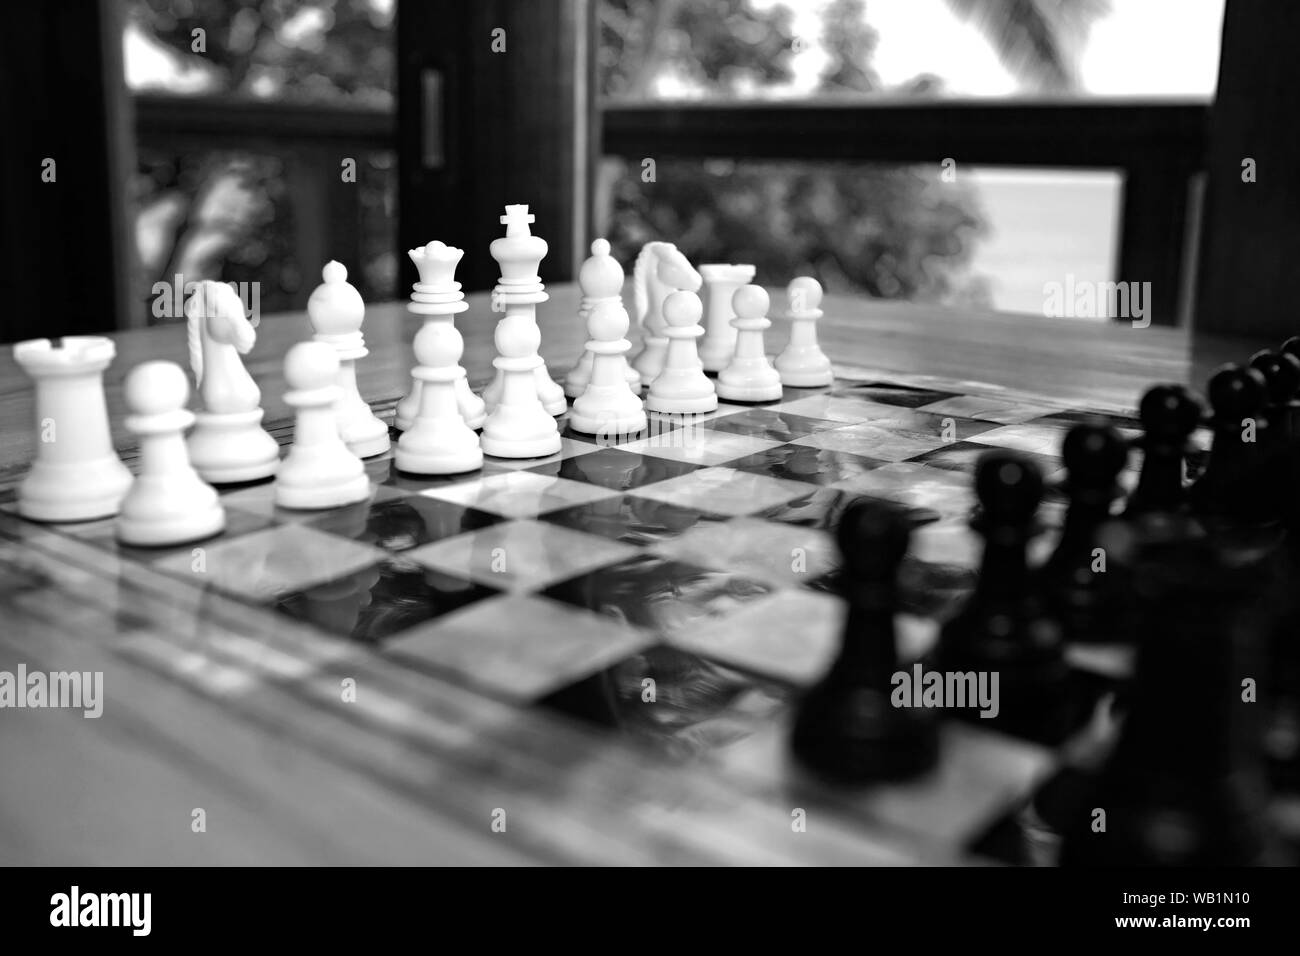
(660,269)
(319,471)
(519,426)
(750,377)
(76,475)
(720,284)
(803,364)
(438,441)
(438,298)
(228,443)
(601,280)
(682,387)
(607,407)
(168,503)
(519,292)
(336,311)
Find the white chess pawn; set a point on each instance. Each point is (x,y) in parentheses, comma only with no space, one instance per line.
(608,407)
(803,364)
(76,475)
(750,377)
(168,502)
(438,441)
(519,425)
(319,471)
(682,386)
(336,311)
(720,283)
(600,278)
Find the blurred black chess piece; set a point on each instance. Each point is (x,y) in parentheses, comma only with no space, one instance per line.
(846,727)
(1005,627)
(1169,415)
(1235,489)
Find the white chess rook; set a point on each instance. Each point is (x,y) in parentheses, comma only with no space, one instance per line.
(228,443)
(608,408)
(750,377)
(720,284)
(601,279)
(336,311)
(803,364)
(439,442)
(76,475)
(682,387)
(319,471)
(518,293)
(168,503)
(519,426)
(437,297)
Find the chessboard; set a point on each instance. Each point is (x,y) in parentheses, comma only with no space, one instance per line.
(611,639)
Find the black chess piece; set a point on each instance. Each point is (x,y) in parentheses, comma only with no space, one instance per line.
(1281,371)
(1233,488)
(1085,594)
(1169,414)
(1005,627)
(1185,784)
(846,728)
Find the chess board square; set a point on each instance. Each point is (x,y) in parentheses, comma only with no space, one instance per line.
(103,534)
(771,423)
(999,410)
(381,600)
(265,565)
(569,448)
(724,491)
(944,494)
(874,441)
(400,524)
(519,494)
(698,445)
(259,500)
(618,470)
(962,456)
(820,508)
(519,647)
(657,594)
(837,408)
(520,555)
(792,635)
(783,555)
(633,520)
(886,394)
(1039,439)
(694,710)
(803,463)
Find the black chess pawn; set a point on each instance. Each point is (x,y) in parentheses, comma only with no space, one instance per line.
(1085,594)
(1185,784)
(846,728)
(1233,488)
(1005,627)
(1169,415)
(1281,371)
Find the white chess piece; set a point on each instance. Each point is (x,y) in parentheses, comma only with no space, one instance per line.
(750,377)
(682,386)
(720,284)
(438,441)
(660,268)
(319,471)
(76,475)
(437,297)
(607,407)
(520,256)
(228,443)
(336,311)
(168,502)
(519,426)
(803,364)
(601,279)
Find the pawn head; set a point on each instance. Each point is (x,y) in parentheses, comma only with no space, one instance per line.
(156,387)
(1169,412)
(608,322)
(1094,455)
(1236,393)
(750,302)
(1009,487)
(804,295)
(438,345)
(310,365)
(517,340)
(683,308)
(1281,372)
(873,538)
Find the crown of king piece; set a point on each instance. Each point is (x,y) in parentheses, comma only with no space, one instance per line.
(519,253)
(437,263)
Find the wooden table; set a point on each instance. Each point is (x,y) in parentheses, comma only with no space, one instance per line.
(126,790)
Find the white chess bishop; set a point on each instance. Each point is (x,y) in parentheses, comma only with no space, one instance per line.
(520,255)
(439,442)
(750,377)
(336,311)
(76,475)
(803,364)
(228,443)
(682,387)
(168,503)
(438,299)
(319,471)
(601,280)
(607,407)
